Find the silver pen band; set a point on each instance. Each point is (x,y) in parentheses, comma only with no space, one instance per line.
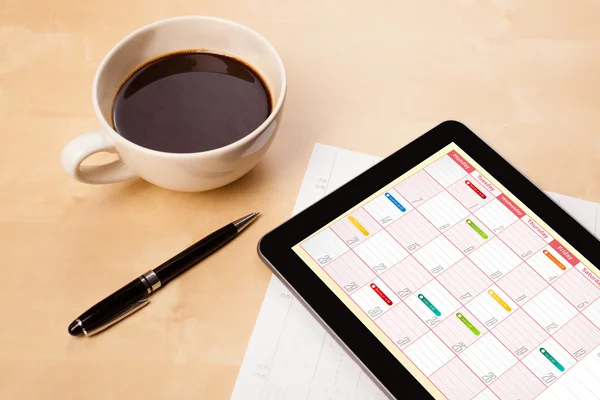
(151,281)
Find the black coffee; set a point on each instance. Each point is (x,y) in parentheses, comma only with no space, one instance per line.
(189,102)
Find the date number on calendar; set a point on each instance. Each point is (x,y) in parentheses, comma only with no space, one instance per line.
(460,346)
(324,260)
(379,267)
(352,240)
(489,377)
(375,311)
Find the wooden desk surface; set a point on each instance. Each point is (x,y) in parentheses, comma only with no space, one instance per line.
(367,76)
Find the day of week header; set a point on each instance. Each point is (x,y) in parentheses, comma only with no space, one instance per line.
(461,161)
(592,276)
(486,183)
(515,209)
(541,232)
(566,254)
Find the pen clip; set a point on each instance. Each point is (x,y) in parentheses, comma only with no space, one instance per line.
(118,317)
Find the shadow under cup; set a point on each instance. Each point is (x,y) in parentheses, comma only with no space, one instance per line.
(208,169)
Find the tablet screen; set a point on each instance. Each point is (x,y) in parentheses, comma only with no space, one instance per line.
(474,294)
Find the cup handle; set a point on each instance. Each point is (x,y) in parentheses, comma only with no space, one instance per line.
(84,146)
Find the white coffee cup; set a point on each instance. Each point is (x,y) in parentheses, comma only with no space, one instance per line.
(177,171)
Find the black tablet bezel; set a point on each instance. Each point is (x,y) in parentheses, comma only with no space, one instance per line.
(275,248)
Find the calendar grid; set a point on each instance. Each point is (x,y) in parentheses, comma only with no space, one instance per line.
(490,332)
(425,269)
(567,300)
(551,335)
(350,249)
(431,374)
(525,311)
(579,312)
(429,300)
(433,277)
(550,284)
(428,327)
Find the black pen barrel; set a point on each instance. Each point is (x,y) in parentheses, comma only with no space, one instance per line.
(132,296)
(104,311)
(192,255)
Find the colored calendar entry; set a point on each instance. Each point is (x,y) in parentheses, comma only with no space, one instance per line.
(375,298)
(432,303)
(429,304)
(491,306)
(469,235)
(548,264)
(388,207)
(470,193)
(460,330)
(549,361)
(461,317)
(471,224)
(466,322)
(356,228)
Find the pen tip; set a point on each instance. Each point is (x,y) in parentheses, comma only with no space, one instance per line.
(243,222)
(75,329)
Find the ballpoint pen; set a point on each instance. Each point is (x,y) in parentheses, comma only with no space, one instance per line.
(133,296)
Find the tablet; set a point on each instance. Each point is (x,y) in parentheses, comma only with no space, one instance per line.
(448,275)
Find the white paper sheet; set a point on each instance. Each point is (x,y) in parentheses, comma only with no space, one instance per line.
(290,355)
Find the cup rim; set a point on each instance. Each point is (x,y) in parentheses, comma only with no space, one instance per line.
(220,150)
